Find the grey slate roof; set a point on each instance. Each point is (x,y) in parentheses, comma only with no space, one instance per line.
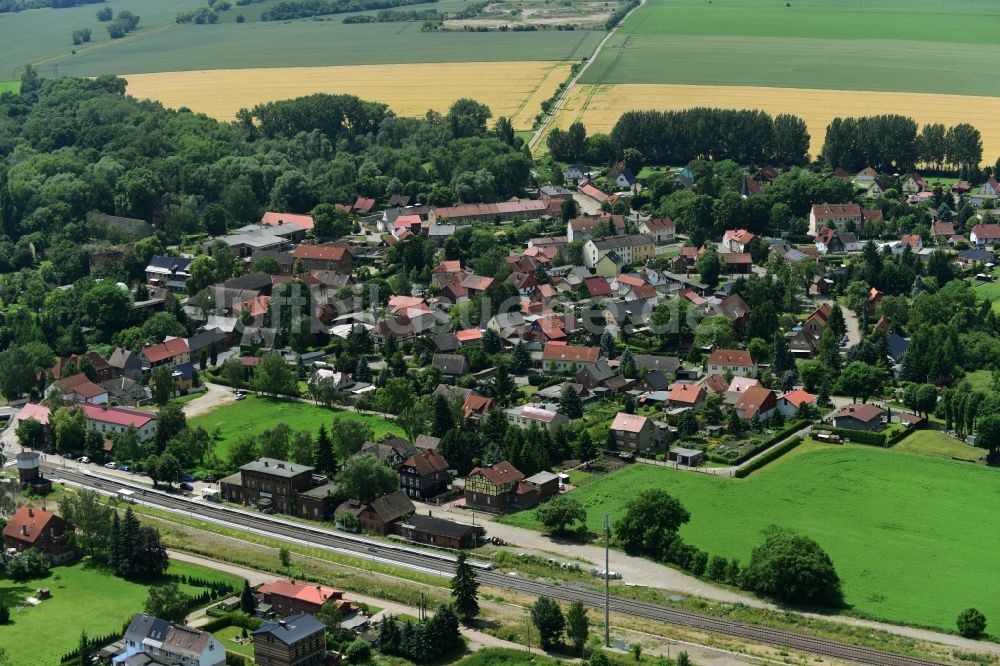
(439,526)
(292,629)
(276,467)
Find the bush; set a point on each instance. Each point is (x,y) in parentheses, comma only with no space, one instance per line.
(971,623)
(768,457)
(358,652)
(4,613)
(793,568)
(28,564)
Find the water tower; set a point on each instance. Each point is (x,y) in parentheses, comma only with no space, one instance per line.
(29,472)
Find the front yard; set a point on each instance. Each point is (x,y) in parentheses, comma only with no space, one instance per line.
(85,597)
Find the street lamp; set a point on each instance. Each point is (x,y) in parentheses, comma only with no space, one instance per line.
(607,582)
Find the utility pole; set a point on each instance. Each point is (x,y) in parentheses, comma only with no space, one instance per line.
(607,582)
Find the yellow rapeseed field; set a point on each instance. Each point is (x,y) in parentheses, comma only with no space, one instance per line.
(600,106)
(512,89)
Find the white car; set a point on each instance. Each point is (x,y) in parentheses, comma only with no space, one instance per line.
(83,459)
(111,465)
(240,396)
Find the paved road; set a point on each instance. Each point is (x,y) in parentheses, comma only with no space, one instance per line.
(561,100)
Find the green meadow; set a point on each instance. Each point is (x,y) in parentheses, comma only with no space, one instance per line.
(256,414)
(914,538)
(85,597)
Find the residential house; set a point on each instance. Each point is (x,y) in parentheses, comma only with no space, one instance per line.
(737,240)
(438,532)
(298,640)
(476,284)
(424,475)
(691,396)
(841,216)
(597,287)
(555,193)
(103,370)
(866,175)
(452,365)
(757,402)
(624,251)
(36,528)
(975,257)
(913,241)
(390,449)
(734,308)
(790,403)
(859,416)
(78,388)
(169,272)
(828,241)
(169,353)
(526,415)
(735,361)
(329,257)
(734,263)
(381,515)
(126,363)
(662,229)
(267,483)
(583,228)
(492,488)
(575,171)
(982,235)
(621,176)
(545,483)
(634,433)
(111,420)
(476,408)
(126,391)
(151,641)
(942,231)
(668,365)
(913,183)
(568,358)
(288,597)
(590,191)
(592,376)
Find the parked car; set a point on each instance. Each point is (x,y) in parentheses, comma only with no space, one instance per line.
(83,459)
(187,477)
(240,396)
(187,486)
(111,465)
(125,468)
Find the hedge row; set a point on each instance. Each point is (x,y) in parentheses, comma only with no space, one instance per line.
(768,457)
(773,439)
(860,436)
(232,619)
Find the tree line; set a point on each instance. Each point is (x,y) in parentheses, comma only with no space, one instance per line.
(293,9)
(746,136)
(9,6)
(892,143)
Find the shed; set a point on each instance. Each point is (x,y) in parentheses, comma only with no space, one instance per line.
(688,457)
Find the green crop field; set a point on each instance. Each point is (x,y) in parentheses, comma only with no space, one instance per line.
(9,86)
(914,538)
(84,598)
(812,44)
(256,414)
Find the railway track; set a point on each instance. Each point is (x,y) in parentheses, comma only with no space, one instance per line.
(442,564)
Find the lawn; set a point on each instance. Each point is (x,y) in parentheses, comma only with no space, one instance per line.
(9,86)
(224,636)
(937,444)
(906,539)
(256,414)
(981,380)
(84,598)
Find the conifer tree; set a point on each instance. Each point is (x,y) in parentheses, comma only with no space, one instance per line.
(465,589)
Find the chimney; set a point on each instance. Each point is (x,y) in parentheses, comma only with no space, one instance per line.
(31,512)
(282,624)
(24,530)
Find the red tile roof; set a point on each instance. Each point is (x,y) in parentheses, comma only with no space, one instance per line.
(824,211)
(578,354)
(687,393)
(629,422)
(739,235)
(80,385)
(27,524)
(862,412)
(427,462)
(454,266)
(290,589)
(469,334)
(755,400)
(117,415)
(991,231)
(736,258)
(500,473)
(257,307)
(363,205)
(165,350)
(734,357)
(798,397)
(320,252)
(477,282)
(515,206)
(476,404)
(597,287)
(593,192)
(34,411)
(274,219)
(659,224)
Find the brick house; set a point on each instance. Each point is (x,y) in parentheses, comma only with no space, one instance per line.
(380,515)
(632,432)
(267,483)
(860,417)
(37,528)
(334,258)
(563,358)
(424,474)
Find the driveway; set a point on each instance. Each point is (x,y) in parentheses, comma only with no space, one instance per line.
(214,396)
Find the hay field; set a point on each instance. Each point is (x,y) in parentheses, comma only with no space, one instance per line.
(600,106)
(512,89)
